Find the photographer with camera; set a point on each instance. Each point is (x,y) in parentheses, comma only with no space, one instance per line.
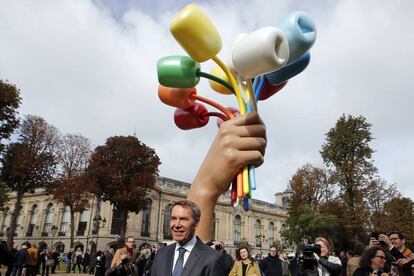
(327,265)
(316,259)
(399,258)
(123,268)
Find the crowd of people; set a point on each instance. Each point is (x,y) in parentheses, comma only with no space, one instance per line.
(385,255)
(239,142)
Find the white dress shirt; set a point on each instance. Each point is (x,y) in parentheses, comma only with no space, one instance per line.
(188,246)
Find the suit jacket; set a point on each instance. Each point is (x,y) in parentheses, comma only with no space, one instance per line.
(203,261)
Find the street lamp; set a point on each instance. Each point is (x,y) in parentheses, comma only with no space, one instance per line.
(260,238)
(97,220)
(53,230)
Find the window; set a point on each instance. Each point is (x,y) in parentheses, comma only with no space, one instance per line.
(258,231)
(6,221)
(83,222)
(48,221)
(64,225)
(236,229)
(146,215)
(282,228)
(271,233)
(32,221)
(20,220)
(116,222)
(166,223)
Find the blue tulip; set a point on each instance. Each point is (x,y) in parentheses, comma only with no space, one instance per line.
(300,32)
(289,71)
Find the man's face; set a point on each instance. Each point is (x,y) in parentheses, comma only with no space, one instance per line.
(273,251)
(130,243)
(182,224)
(396,241)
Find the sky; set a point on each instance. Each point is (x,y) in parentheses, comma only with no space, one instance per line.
(89,67)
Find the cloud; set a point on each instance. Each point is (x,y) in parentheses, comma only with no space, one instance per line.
(89,67)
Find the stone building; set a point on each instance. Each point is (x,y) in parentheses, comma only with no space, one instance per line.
(46,222)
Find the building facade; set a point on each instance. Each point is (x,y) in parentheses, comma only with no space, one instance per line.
(47,223)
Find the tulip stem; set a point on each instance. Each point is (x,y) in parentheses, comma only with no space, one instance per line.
(214,104)
(216,114)
(216,79)
(243,176)
(252,96)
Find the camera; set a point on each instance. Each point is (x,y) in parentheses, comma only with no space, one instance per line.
(375,235)
(308,263)
(312,248)
(124,261)
(218,247)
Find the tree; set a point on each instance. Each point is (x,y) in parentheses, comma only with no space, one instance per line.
(347,155)
(70,187)
(398,215)
(309,186)
(30,162)
(310,190)
(72,192)
(9,103)
(122,171)
(307,222)
(3,194)
(377,194)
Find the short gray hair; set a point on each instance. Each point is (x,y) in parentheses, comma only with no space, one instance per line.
(196,212)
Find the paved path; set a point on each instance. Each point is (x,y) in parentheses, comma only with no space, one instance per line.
(61,273)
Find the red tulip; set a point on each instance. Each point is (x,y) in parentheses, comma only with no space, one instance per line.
(269,89)
(192,117)
(233,110)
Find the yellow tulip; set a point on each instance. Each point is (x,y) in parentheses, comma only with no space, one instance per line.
(219,73)
(196,34)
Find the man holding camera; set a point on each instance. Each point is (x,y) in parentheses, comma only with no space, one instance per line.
(125,253)
(400,255)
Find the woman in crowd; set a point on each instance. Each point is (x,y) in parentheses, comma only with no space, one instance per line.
(142,260)
(372,263)
(353,262)
(327,265)
(246,265)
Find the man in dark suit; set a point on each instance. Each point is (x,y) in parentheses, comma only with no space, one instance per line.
(188,256)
